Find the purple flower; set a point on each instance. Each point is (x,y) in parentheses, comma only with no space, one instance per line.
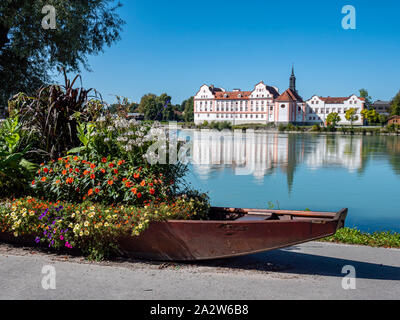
(61,238)
(37,240)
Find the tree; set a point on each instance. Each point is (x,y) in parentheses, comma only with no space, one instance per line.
(333,119)
(149,107)
(188,109)
(370,115)
(368,100)
(351,115)
(29,53)
(395,105)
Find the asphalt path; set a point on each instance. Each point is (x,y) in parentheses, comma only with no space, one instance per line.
(313,270)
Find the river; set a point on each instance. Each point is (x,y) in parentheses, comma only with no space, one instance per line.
(300,171)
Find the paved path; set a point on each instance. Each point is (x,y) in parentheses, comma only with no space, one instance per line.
(308,271)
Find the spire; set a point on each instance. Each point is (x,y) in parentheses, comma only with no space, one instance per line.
(292,85)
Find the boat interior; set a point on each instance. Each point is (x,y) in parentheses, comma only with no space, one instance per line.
(239,214)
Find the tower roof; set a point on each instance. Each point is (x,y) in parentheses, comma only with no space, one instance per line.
(290,95)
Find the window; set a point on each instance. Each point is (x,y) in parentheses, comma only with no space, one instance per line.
(271,108)
(282,106)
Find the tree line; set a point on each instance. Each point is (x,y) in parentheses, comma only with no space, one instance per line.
(159,108)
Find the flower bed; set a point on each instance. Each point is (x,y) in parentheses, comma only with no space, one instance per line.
(92,228)
(91,176)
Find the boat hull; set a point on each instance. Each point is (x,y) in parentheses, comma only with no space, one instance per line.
(204,240)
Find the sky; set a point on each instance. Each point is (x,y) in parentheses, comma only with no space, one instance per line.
(176,46)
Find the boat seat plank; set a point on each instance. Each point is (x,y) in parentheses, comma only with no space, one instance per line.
(253,218)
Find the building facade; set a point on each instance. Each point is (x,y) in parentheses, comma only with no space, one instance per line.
(382,107)
(318,109)
(264,104)
(394,120)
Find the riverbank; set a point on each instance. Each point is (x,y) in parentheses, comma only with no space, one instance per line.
(307,271)
(271,128)
(385,239)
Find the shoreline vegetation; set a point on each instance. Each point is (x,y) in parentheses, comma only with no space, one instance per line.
(353,236)
(290,128)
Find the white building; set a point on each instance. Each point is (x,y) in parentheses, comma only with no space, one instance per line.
(264,104)
(318,109)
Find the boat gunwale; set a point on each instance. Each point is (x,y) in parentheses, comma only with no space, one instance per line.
(317,218)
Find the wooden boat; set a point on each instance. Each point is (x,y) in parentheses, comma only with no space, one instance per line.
(231,232)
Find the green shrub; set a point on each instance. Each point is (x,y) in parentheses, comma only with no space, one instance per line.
(15,170)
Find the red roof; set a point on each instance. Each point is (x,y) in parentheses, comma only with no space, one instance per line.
(232,95)
(289,95)
(337,100)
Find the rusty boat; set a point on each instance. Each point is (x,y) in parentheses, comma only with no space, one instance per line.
(231,232)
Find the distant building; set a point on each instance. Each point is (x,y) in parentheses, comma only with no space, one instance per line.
(382,107)
(135,116)
(394,120)
(318,108)
(264,104)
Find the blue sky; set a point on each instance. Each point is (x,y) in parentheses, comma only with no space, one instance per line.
(176,46)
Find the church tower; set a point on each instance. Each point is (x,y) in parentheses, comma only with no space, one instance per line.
(292,85)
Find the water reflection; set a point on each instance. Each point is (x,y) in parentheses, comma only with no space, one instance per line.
(262,154)
(316,171)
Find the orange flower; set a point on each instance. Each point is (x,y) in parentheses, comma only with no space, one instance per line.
(77,170)
(44,179)
(136,175)
(92,176)
(46,170)
(97,190)
(86,172)
(67,165)
(111,165)
(92,166)
(143,183)
(139,195)
(134,190)
(58,181)
(128,184)
(115,171)
(33,182)
(110,182)
(104,160)
(90,192)
(103,171)
(76,158)
(64,172)
(70,180)
(152,191)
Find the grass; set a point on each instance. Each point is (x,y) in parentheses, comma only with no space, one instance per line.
(386,239)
